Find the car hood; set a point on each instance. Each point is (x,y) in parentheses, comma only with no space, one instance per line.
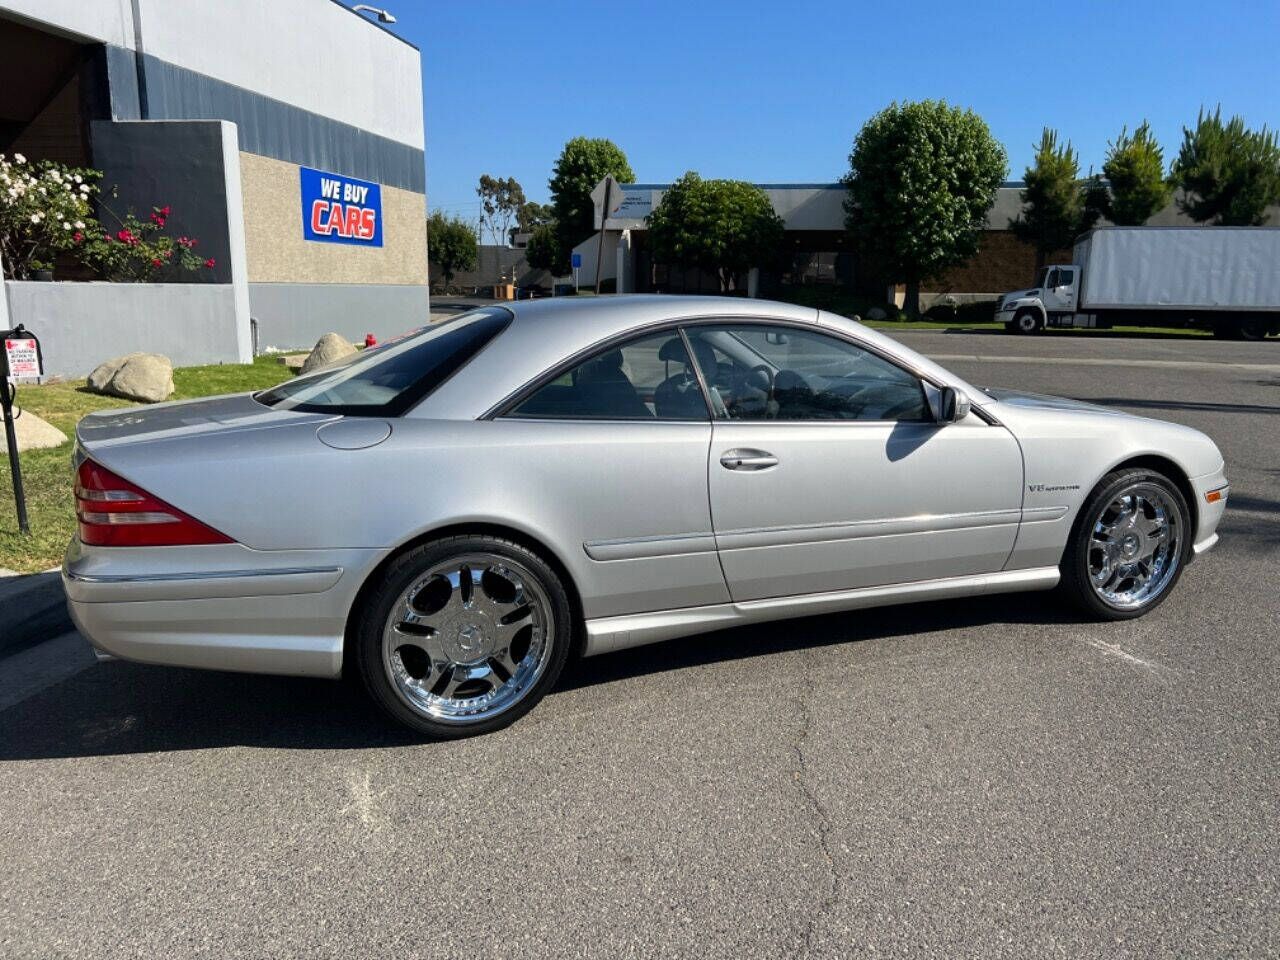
(1066,438)
(161,420)
(1019,398)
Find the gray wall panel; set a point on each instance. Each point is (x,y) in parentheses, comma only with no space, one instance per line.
(82,324)
(178,163)
(266,126)
(295,315)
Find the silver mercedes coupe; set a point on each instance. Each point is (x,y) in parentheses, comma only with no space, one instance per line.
(455,513)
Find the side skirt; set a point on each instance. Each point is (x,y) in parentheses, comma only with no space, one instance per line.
(606,634)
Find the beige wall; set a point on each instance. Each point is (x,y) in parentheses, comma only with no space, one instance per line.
(277,253)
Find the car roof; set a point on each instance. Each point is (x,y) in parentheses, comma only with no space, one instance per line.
(606,316)
(544,333)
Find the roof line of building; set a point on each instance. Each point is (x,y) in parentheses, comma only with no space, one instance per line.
(375,23)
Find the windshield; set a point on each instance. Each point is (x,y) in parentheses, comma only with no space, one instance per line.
(387,380)
(1041,275)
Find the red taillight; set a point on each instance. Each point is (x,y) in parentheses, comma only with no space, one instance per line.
(115,513)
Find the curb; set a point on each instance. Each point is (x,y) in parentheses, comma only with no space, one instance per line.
(33,608)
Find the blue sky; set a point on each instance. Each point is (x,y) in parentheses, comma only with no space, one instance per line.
(775,92)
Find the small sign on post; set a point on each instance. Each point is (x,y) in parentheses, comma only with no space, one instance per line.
(577,264)
(20,358)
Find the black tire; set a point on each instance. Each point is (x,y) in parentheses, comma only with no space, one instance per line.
(1027,321)
(1076,585)
(398,578)
(1254,328)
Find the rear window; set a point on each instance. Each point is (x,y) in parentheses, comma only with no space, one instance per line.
(387,380)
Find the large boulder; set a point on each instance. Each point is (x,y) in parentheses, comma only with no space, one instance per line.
(135,376)
(36,434)
(328,349)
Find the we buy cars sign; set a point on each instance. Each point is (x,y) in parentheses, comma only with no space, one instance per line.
(338,209)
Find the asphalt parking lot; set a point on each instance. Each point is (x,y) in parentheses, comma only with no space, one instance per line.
(986,777)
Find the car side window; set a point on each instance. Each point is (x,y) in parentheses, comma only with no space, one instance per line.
(763,372)
(1051,281)
(1065,277)
(649,378)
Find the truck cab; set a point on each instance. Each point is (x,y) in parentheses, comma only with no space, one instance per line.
(1052,301)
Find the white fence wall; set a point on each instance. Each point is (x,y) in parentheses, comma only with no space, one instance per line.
(82,324)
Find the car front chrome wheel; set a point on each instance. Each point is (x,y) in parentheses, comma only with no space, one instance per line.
(1135,546)
(1129,546)
(468,639)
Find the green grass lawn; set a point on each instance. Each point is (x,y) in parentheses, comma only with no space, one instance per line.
(46,474)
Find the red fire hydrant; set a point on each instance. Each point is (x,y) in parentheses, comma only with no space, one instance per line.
(370,340)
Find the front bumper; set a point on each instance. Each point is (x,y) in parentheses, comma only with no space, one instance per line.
(1209,513)
(220,607)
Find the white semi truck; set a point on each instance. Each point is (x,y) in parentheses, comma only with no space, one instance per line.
(1225,279)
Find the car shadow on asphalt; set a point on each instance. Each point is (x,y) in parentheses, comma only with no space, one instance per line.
(121,708)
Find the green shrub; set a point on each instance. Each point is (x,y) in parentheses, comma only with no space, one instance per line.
(835,299)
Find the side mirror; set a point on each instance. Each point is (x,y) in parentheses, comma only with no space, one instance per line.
(953,405)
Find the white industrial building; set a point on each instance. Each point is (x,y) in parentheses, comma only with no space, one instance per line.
(234,113)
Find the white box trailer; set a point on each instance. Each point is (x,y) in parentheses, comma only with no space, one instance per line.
(1226,279)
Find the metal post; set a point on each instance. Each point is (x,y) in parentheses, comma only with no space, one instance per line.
(6,408)
(604,217)
(11,438)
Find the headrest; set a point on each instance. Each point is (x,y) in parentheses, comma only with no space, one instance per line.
(610,361)
(673,349)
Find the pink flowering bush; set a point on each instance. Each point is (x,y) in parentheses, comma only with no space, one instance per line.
(46,210)
(44,207)
(140,250)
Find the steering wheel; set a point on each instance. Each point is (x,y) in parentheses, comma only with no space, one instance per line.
(898,408)
(767,371)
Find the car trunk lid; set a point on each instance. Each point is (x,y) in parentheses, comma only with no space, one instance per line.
(109,428)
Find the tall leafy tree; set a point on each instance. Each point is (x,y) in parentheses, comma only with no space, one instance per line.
(1057,206)
(1229,174)
(724,227)
(533,214)
(530,216)
(501,199)
(921,179)
(1134,169)
(582,164)
(451,244)
(544,252)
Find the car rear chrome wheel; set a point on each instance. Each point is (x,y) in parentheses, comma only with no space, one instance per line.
(468,638)
(463,640)
(1130,544)
(1135,546)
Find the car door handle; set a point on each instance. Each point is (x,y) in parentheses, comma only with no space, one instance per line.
(748,460)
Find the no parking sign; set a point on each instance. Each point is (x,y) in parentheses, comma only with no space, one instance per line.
(22,356)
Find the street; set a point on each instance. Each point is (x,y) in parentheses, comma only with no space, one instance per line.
(986,777)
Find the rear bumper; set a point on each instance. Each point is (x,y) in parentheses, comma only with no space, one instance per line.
(222,607)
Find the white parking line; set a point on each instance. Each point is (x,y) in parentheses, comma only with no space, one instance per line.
(1114,650)
(27,672)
